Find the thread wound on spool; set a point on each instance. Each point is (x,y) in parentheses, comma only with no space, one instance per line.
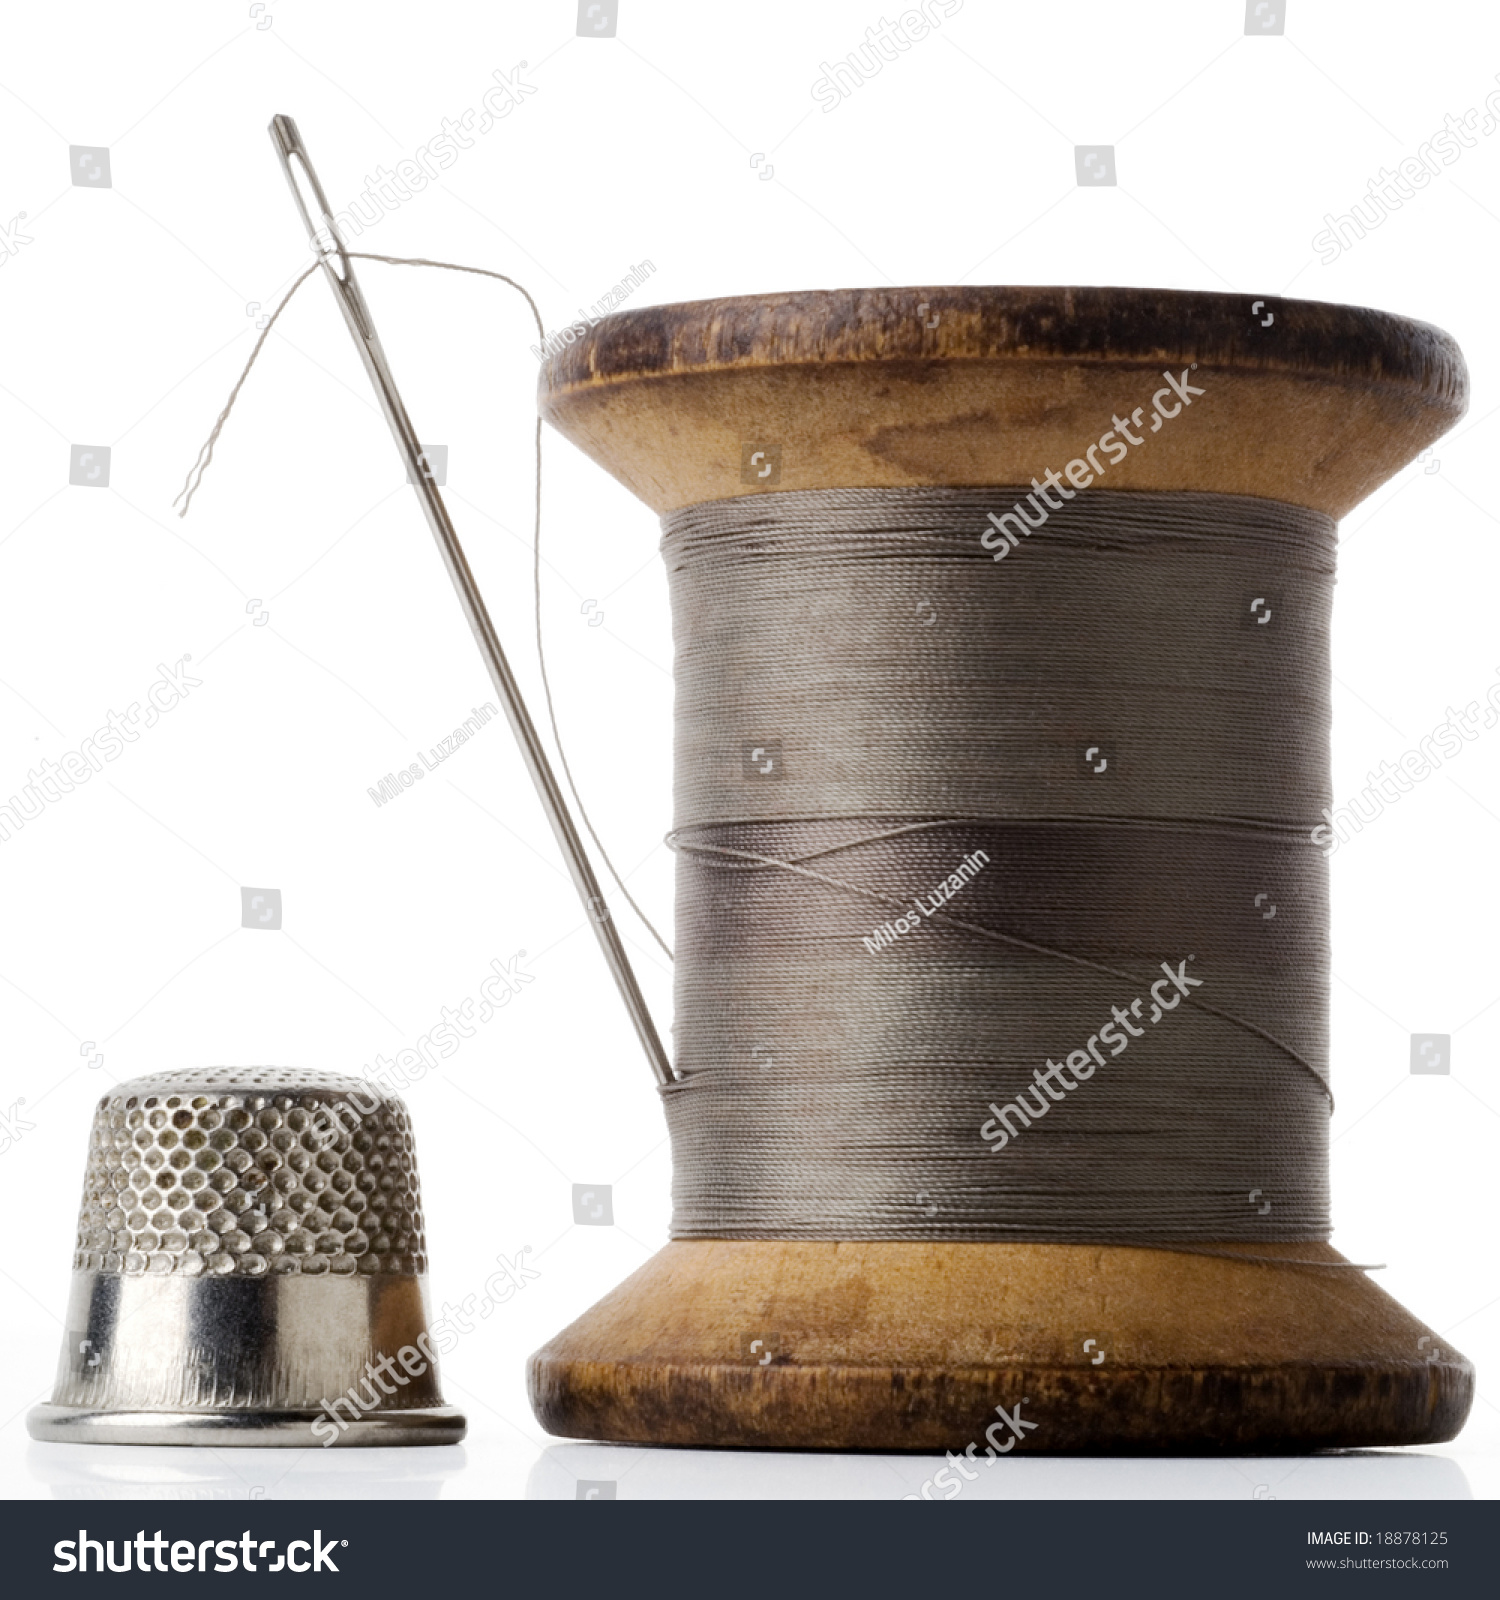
(1065,777)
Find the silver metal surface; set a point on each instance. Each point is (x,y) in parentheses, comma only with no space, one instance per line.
(250,1270)
(339,270)
(257,1430)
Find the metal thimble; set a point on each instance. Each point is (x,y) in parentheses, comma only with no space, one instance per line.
(250,1269)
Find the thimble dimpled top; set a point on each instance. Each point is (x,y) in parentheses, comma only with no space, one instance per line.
(249,1244)
(272,1176)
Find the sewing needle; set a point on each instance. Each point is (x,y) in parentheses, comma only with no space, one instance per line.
(338,269)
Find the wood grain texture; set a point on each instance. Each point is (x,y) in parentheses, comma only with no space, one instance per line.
(891,1346)
(855,388)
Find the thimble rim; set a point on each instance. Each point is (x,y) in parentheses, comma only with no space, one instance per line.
(248,1080)
(260,1430)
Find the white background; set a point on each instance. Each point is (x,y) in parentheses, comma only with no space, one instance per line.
(125,320)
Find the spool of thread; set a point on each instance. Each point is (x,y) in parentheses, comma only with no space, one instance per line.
(1003,710)
(968,847)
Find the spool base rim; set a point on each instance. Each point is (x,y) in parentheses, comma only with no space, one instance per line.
(914,1346)
(568,1413)
(292,1430)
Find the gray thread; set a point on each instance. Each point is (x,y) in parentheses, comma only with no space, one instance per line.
(745,858)
(827,1092)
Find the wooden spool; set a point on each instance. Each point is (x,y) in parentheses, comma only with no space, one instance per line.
(912,1346)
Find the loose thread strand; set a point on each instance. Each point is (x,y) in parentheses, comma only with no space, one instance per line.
(993,933)
(206,455)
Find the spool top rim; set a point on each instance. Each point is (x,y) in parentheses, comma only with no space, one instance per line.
(1309,403)
(1357,345)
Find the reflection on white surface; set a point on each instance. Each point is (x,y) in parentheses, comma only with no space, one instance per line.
(628,1472)
(160,1472)
(494,1467)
